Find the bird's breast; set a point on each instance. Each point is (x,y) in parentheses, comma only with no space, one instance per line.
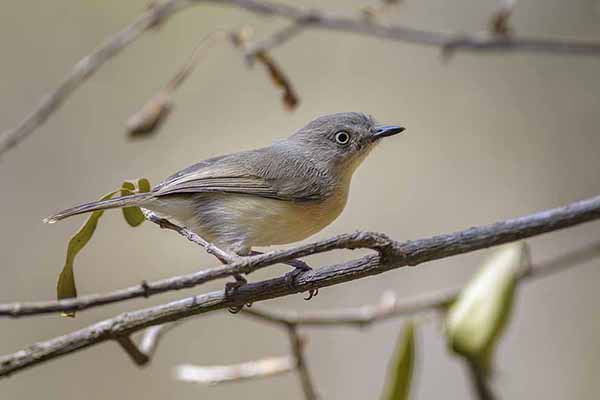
(245,221)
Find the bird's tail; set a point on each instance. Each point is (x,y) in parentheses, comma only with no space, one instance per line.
(124,201)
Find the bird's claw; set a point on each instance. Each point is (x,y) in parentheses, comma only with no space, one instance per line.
(299,268)
(231,287)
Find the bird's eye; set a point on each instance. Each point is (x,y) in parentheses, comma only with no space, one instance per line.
(342,137)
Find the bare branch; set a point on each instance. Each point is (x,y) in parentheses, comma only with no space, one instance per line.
(392,255)
(479,381)
(85,68)
(129,322)
(297,343)
(263,368)
(133,351)
(388,307)
(210,248)
(153,113)
(474,43)
(142,355)
(152,337)
(308,19)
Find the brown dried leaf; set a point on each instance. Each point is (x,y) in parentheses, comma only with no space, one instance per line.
(499,24)
(150,116)
(289,98)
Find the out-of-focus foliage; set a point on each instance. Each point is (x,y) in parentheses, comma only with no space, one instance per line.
(401,369)
(476,320)
(66,287)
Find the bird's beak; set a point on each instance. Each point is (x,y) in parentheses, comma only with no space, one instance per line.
(387,130)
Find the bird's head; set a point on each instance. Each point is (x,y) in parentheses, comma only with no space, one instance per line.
(341,141)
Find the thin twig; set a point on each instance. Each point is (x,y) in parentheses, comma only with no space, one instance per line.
(391,255)
(85,68)
(130,322)
(132,350)
(479,381)
(210,248)
(263,368)
(152,337)
(318,20)
(143,353)
(474,42)
(154,112)
(363,316)
(297,343)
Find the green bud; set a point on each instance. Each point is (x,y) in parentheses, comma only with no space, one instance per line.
(479,315)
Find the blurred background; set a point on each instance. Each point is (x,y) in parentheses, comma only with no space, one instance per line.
(489,137)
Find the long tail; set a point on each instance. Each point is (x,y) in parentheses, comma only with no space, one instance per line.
(133,200)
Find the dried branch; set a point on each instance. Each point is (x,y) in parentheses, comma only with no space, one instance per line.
(309,19)
(154,112)
(479,381)
(390,307)
(297,343)
(85,68)
(142,355)
(474,43)
(210,248)
(133,351)
(391,255)
(231,373)
(130,322)
(360,317)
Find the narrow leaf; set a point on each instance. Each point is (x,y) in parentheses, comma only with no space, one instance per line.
(477,318)
(144,185)
(133,215)
(65,287)
(401,370)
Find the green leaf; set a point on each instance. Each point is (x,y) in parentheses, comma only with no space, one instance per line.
(133,215)
(144,185)
(401,370)
(65,287)
(476,320)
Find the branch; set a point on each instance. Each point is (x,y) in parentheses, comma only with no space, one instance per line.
(391,255)
(210,248)
(88,65)
(360,317)
(142,355)
(130,322)
(479,382)
(390,307)
(85,68)
(297,344)
(474,43)
(265,367)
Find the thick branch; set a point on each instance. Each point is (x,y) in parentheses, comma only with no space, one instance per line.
(390,307)
(127,323)
(392,255)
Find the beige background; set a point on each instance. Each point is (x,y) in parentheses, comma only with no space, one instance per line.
(489,137)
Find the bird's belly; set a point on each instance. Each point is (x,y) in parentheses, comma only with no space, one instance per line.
(239,222)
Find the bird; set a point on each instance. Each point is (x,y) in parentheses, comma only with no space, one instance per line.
(279,194)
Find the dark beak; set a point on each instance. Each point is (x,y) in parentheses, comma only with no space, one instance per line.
(385,131)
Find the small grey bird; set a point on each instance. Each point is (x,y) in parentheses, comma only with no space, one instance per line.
(274,195)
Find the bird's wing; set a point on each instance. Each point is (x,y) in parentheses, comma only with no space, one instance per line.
(233,174)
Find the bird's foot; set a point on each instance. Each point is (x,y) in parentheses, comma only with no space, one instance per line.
(231,287)
(299,268)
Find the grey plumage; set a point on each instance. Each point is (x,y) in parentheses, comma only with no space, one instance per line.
(273,195)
